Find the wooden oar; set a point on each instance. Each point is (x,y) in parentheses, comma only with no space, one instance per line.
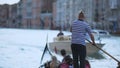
(105,52)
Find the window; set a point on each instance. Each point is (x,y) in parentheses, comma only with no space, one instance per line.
(29,14)
(113,4)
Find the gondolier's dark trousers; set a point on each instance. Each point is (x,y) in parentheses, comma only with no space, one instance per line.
(79,53)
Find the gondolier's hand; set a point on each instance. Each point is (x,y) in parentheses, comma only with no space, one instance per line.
(92,43)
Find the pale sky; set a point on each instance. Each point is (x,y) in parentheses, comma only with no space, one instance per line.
(8,1)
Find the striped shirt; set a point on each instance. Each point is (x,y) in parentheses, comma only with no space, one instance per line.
(79,30)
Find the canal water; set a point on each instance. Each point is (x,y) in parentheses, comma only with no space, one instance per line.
(111,46)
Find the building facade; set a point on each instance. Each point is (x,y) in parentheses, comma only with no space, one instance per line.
(67,10)
(10,16)
(31,10)
(47,14)
(100,14)
(52,14)
(114,15)
(13,21)
(37,14)
(4,15)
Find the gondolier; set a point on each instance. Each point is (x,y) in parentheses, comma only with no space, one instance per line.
(79,29)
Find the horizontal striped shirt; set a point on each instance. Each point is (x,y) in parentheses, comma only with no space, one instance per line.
(79,30)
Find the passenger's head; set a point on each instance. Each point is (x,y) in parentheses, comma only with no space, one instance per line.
(54,58)
(63,52)
(68,59)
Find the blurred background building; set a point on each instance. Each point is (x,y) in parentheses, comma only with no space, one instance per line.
(100,14)
(59,14)
(31,13)
(4,15)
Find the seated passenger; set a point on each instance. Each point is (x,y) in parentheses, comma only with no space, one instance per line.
(54,63)
(63,53)
(60,33)
(67,61)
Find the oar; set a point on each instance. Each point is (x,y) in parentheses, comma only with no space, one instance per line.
(105,52)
